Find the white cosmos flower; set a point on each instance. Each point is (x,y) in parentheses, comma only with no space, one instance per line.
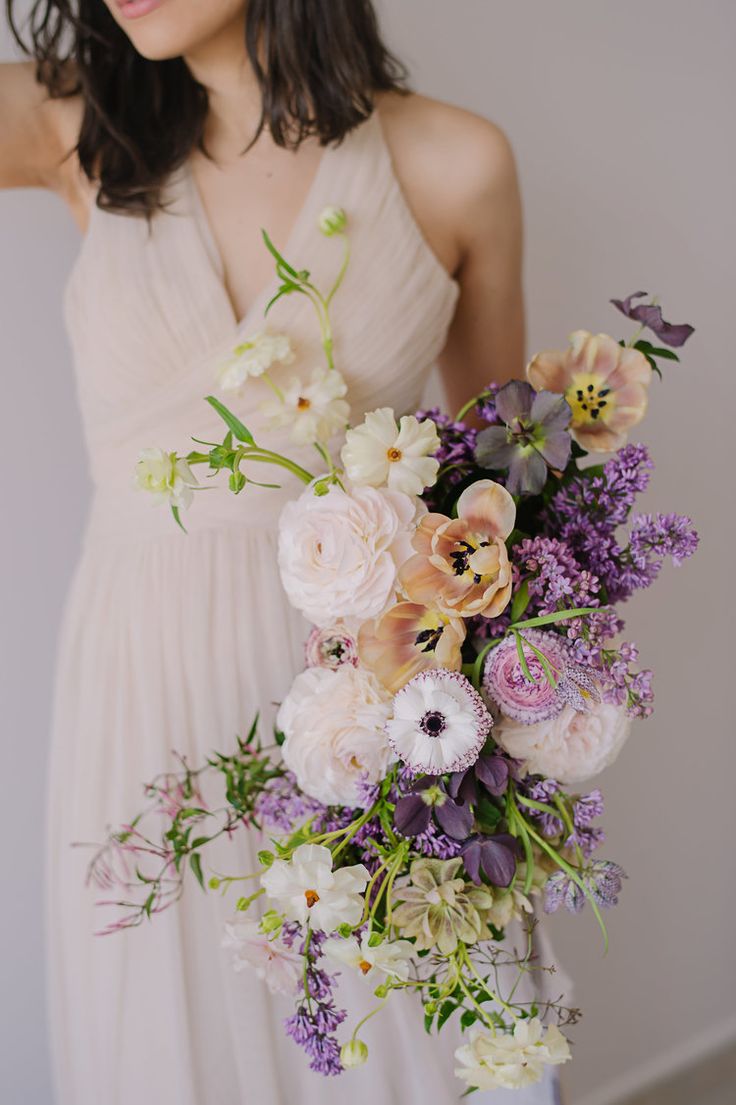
(313,411)
(439,724)
(253,357)
(274,963)
(390,957)
(381,454)
(307,890)
(506,1061)
(165,476)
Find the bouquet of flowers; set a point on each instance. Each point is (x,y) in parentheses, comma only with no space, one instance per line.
(462,680)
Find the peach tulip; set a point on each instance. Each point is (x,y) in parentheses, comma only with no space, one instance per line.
(410,638)
(461,566)
(606,385)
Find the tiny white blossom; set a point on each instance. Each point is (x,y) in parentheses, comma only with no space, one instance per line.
(511,1061)
(308,890)
(381,453)
(274,963)
(165,476)
(312,411)
(353,1054)
(253,357)
(390,957)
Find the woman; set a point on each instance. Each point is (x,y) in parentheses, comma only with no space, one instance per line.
(175,130)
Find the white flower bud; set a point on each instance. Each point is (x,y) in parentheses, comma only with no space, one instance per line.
(353,1054)
(333,220)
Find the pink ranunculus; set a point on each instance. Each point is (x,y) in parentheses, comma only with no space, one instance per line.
(606,385)
(339,553)
(570,747)
(330,647)
(504,681)
(334,722)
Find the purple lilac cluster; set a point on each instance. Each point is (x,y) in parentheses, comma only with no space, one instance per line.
(586,808)
(553,576)
(317,1018)
(281,806)
(587,512)
(602,878)
(456,453)
(621,684)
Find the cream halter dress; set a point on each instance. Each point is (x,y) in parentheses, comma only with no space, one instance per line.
(173,642)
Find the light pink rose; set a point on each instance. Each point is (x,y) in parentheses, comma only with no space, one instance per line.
(339,553)
(334,722)
(570,747)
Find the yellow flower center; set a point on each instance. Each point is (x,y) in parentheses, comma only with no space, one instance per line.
(590,398)
(312,897)
(303,404)
(394,454)
(365,966)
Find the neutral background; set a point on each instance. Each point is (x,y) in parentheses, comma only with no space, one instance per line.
(621,115)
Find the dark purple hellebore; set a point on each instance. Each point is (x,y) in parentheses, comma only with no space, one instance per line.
(495,855)
(535,437)
(429,798)
(650,315)
(492,772)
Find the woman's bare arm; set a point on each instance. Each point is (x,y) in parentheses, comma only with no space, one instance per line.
(458,173)
(487,337)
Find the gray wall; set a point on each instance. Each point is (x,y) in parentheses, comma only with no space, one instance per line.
(621,116)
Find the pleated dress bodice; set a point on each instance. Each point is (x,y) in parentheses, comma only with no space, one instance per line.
(150,320)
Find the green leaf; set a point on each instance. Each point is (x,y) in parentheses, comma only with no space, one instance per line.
(656,351)
(468,1019)
(241,432)
(446,1010)
(521,601)
(177,518)
(477,671)
(195,862)
(522,658)
(277,256)
(556,616)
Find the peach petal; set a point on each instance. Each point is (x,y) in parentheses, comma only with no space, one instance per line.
(428,526)
(633,367)
(486,507)
(598,438)
(549,371)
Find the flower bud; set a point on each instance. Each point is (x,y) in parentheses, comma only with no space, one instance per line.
(353,1054)
(333,220)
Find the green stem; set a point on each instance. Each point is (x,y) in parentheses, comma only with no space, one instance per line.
(367,1017)
(464,409)
(343,270)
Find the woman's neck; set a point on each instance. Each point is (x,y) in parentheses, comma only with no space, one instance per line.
(222,66)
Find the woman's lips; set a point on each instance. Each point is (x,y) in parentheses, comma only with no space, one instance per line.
(134,9)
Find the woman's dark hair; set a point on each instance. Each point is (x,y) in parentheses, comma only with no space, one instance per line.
(318,63)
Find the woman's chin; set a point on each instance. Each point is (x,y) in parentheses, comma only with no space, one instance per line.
(164,29)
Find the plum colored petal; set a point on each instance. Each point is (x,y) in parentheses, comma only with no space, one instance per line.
(496,855)
(556,449)
(493,448)
(551,410)
(527,473)
(650,315)
(514,400)
(461,786)
(412,815)
(455,819)
(493,773)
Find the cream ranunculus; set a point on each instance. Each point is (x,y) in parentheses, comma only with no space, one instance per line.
(381,454)
(334,722)
(511,1061)
(571,747)
(339,553)
(168,478)
(253,357)
(312,411)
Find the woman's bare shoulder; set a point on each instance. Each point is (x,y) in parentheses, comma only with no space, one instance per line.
(39,135)
(456,168)
(445,140)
